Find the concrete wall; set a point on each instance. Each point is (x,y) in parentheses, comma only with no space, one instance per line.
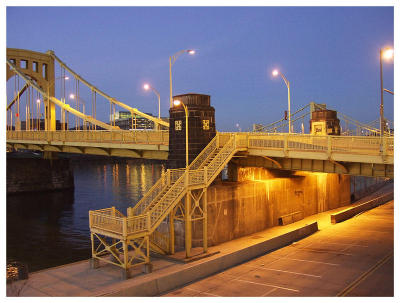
(363,186)
(261,196)
(33,175)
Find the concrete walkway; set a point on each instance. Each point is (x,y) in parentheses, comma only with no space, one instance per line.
(77,279)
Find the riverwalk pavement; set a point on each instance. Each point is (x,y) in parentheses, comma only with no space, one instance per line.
(169,273)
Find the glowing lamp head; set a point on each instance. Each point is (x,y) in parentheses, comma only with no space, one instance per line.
(146,86)
(66,78)
(388,53)
(72,96)
(38,100)
(275,72)
(191,52)
(177,102)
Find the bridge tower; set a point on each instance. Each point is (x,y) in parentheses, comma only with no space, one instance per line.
(40,68)
(201,128)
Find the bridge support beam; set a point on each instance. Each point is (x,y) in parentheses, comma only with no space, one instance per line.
(50,114)
(188,225)
(172,231)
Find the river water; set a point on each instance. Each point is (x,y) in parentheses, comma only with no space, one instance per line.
(51,229)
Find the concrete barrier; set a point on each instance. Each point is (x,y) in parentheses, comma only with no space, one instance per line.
(162,283)
(352,211)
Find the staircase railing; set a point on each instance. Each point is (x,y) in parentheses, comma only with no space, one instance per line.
(219,160)
(170,176)
(204,154)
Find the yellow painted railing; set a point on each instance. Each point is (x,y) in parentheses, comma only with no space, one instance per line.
(94,136)
(360,145)
(158,201)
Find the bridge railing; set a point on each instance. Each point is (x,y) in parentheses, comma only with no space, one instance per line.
(362,145)
(94,136)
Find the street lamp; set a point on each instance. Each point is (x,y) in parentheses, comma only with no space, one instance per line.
(38,114)
(147,87)
(386,53)
(177,103)
(72,97)
(172,60)
(276,73)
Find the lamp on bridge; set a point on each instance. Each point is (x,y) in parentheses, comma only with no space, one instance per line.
(73,97)
(276,73)
(386,53)
(147,87)
(172,60)
(38,114)
(177,103)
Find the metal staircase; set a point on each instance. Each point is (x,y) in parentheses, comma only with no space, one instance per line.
(140,229)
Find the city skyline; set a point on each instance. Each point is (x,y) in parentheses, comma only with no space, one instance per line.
(329,54)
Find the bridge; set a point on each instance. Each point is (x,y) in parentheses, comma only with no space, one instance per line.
(180,194)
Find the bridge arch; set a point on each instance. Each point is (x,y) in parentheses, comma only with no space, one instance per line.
(37,66)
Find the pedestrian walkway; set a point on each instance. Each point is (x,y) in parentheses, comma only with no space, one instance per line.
(352,258)
(77,279)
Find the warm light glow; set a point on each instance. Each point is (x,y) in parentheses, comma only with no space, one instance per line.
(66,78)
(191,52)
(38,100)
(275,72)
(72,96)
(388,54)
(177,102)
(146,86)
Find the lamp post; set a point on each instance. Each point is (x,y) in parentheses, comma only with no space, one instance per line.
(386,53)
(172,60)
(47,113)
(177,103)
(147,87)
(38,114)
(72,97)
(276,73)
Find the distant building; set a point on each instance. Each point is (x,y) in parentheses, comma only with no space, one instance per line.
(125,120)
(38,124)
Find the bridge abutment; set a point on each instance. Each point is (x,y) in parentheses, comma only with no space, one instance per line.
(37,175)
(262,198)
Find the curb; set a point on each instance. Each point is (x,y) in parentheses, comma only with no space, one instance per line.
(352,211)
(192,272)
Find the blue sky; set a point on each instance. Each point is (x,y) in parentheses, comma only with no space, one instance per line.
(329,54)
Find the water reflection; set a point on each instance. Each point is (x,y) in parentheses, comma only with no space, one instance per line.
(51,229)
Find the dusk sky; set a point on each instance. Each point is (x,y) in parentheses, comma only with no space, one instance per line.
(329,54)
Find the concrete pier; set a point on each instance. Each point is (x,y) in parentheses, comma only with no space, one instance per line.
(35,175)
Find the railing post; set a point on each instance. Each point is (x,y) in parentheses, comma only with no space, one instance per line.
(205,221)
(90,219)
(168,177)
(148,221)
(124,228)
(186,177)
(285,145)
(205,175)
(384,147)
(217,140)
(329,146)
